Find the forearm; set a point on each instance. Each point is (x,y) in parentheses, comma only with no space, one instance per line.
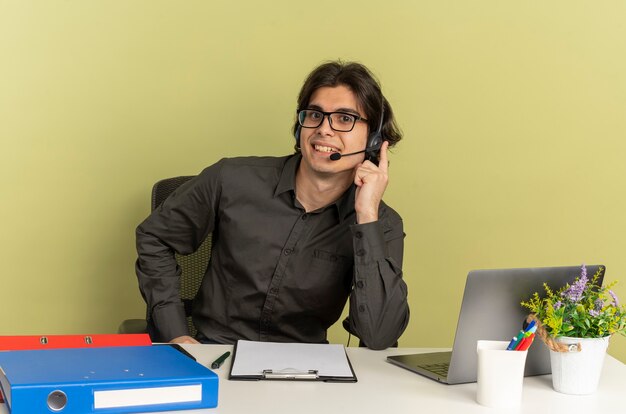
(158,276)
(379,310)
(179,225)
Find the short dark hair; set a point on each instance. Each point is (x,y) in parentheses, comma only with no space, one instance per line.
(363,84)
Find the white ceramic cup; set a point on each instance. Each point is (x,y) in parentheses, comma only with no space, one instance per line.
(500,375)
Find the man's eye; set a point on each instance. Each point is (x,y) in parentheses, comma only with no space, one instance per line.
(314,115)
(346,119)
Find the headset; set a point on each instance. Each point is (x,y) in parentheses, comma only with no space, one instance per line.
(374,140)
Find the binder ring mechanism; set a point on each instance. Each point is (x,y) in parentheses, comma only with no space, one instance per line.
(291,373)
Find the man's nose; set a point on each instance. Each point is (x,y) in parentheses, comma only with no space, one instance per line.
(325,127)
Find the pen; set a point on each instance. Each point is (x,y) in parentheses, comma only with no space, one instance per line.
(530,332)
(219,361)
(512,344)
(530,326)
(527,343)
(521,344)
(518,339)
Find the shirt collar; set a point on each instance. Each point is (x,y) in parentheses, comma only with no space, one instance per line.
(287,182)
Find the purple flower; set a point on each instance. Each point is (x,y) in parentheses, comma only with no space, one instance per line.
(614,296)
(598,304)
(557,304)
(594,312)
(575,292)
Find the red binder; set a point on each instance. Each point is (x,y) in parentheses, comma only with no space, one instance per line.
(16,343)
(28,342)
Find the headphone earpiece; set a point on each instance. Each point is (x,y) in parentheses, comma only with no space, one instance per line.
(375,139)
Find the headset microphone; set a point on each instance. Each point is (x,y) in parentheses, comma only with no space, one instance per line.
(336,156)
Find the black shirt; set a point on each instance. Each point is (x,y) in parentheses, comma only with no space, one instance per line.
(276,272)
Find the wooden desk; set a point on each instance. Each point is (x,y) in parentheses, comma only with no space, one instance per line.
(384,388)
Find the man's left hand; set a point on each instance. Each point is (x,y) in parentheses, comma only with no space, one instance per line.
(371,182)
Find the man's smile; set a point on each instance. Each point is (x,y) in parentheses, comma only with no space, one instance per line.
(323,148)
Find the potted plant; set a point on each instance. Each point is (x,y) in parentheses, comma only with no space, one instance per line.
(576,322)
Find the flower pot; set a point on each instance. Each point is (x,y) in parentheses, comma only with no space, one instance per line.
(578,372)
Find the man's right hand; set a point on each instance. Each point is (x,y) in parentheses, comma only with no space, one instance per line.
(185,339)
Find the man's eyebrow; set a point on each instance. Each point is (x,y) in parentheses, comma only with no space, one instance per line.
(347,110)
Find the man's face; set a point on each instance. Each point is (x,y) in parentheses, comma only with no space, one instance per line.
(318,143)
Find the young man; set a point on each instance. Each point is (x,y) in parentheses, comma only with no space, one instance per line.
(292,237)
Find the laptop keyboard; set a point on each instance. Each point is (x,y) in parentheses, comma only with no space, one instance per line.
(440,368)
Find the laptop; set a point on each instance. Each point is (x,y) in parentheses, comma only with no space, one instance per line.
(490,310)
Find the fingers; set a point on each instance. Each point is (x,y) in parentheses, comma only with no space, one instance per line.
(184,340)
(383,163)
(371,181)
(365,168)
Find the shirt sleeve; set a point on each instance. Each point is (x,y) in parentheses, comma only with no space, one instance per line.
(179,225)
(379,311)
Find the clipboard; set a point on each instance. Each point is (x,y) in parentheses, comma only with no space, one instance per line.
(254,361)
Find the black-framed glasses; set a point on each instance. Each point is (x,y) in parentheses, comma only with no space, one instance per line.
(339,121)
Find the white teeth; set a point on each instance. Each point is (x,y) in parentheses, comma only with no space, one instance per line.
(322,148)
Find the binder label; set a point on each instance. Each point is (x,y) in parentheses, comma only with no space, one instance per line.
(147,396)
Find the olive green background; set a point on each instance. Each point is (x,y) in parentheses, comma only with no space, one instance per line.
(514,115)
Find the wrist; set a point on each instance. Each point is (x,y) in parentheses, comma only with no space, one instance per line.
(366,217)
